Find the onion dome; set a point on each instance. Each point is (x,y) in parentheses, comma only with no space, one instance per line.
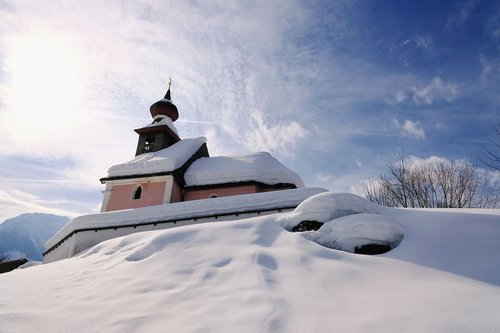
(165,107)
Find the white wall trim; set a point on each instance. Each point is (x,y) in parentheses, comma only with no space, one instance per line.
(167,195)
(106,195)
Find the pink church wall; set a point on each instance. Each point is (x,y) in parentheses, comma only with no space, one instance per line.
(122,196)
(176,193)
(220,192)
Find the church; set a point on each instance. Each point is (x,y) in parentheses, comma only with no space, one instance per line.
(173,182)
(167,169)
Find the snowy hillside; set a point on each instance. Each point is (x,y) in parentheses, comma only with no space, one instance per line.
(26,234)
(254,275)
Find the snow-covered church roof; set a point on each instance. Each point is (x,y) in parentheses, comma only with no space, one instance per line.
(161,120)
(164,160)
(260,167)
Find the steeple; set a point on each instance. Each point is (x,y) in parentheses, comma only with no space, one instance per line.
(165,106)
(161,133)
(167,95)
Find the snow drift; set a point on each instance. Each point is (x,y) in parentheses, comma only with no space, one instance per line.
(253,275)
(348,222)
(328,206)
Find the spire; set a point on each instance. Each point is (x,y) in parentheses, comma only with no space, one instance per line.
(165,106)
(167,95)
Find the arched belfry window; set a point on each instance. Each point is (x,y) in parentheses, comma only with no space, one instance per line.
(137,193)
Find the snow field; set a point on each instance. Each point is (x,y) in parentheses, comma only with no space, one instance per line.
(254,276)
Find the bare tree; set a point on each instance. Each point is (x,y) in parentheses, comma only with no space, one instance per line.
(432,183)
(491,156)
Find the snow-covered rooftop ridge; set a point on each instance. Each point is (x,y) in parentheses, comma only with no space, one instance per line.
(187,210)
(261,167)
(164,160)
(165,121)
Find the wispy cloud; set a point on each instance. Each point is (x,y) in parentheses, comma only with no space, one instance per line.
(418,41)
(424,41)
(410,128)
(34,180)
(490,65)
(439,125)
(15,201)
(275,138)
(294,78)
(75,81)
(437,90)
(322,177)
(348,182)
(461,13)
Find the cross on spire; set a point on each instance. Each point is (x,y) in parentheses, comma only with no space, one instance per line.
(165,106)
(167,96)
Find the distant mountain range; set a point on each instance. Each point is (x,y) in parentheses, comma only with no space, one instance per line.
(24,236)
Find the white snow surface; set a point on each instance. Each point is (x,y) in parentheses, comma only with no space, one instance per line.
(255,276)
(187,210)
(165,121)
(30,264)
(328,206)
(261,167)
(164,160)
(351,231)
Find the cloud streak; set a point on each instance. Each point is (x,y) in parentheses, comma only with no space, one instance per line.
(311,82)
(410,128)
(437,90)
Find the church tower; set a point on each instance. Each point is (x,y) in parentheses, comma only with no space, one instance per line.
(156,174)
(161,133)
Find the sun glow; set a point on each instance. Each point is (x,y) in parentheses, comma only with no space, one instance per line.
(45,88)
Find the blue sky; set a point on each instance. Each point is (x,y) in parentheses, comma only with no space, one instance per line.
(331,88)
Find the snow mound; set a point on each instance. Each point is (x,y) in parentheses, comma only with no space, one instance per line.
(30,264)
(360,233)
(327,206)
(164,160)
(260,167)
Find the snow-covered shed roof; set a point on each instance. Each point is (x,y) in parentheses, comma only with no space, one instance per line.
(164,160)
(260,167)
(187,210)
